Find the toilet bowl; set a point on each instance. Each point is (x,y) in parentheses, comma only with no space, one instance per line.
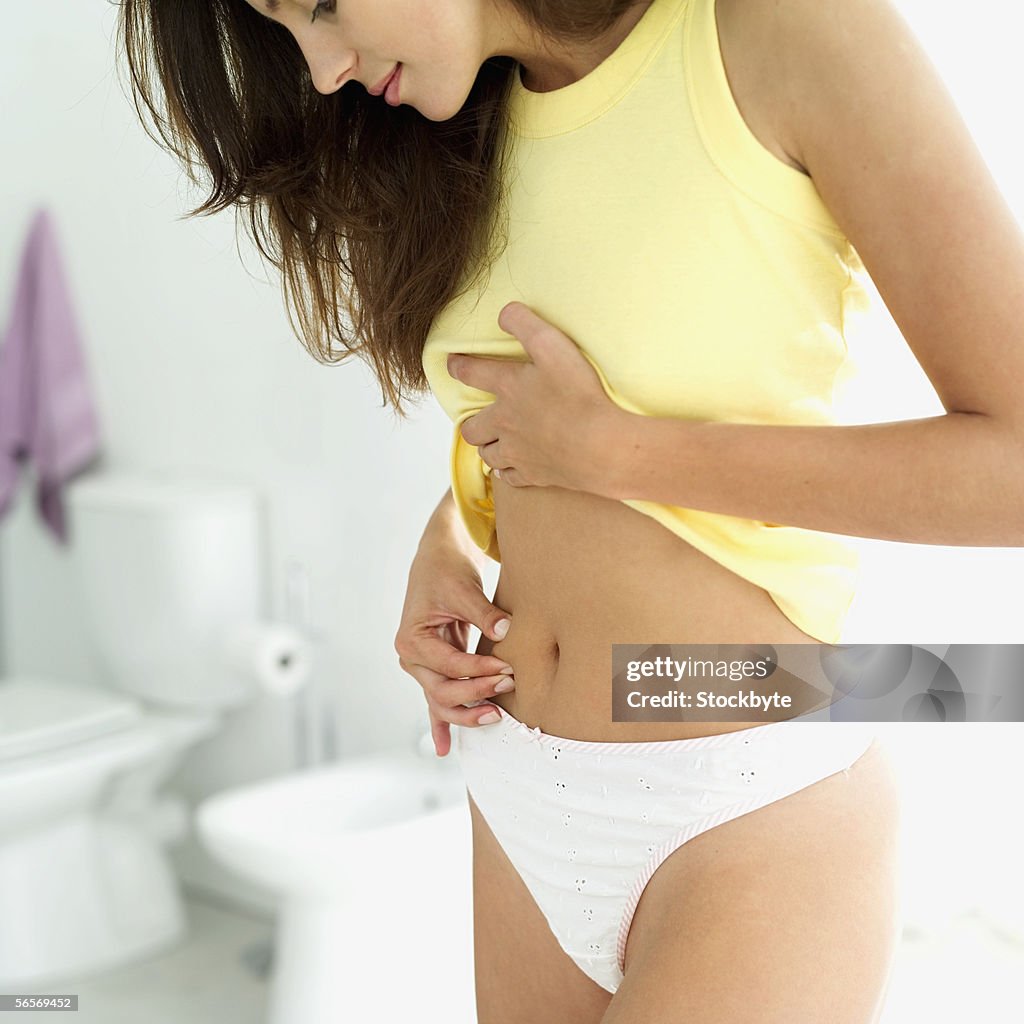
(85,884)
(167,569)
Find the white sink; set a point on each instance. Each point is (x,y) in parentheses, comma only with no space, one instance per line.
(296,830)
(371,859)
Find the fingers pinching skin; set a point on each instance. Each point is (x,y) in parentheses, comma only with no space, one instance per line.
(460,701)
(445,597)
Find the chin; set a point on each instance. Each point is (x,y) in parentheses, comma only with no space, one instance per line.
(440,105)
(440,115)
(455,107)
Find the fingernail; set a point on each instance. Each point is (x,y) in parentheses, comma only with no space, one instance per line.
(491,716)
(508,670)
(504,686)
(501,627)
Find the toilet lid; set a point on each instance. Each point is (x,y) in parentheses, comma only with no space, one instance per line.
(38,715)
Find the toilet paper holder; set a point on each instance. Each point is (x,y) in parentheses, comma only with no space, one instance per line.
(274,655)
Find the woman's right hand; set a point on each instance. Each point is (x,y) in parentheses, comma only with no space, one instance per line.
(444,597)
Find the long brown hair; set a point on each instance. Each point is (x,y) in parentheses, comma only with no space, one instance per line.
(372,210)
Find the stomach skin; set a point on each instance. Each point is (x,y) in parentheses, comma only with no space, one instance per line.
(580,572)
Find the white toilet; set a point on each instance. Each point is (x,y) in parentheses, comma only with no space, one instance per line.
(85,883)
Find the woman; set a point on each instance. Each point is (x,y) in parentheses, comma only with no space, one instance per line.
(641,225)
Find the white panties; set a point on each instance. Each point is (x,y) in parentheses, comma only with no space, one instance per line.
(587,824)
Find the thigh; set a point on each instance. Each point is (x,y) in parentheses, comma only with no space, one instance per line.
(785,915)
(523,976)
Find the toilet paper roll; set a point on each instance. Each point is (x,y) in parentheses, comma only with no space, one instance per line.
(274,654)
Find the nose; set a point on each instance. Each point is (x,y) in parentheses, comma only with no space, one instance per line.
(329,80)
(329,71)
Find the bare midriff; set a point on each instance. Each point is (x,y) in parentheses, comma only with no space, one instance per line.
(580,572)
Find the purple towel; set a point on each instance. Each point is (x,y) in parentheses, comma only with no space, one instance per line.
(46,410)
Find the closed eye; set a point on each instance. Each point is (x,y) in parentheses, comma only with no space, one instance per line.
(322,5)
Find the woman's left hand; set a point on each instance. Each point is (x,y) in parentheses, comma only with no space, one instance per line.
(551,421)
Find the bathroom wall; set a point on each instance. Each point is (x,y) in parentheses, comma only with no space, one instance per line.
(196,369)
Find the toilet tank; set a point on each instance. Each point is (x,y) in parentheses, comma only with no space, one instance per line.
(165,567)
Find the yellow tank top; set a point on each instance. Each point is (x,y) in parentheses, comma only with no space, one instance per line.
(700,275)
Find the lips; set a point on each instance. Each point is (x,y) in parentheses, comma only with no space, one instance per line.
(379,88)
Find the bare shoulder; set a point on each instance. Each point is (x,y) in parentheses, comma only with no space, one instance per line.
(755,63)
(798,65)
(755,66)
